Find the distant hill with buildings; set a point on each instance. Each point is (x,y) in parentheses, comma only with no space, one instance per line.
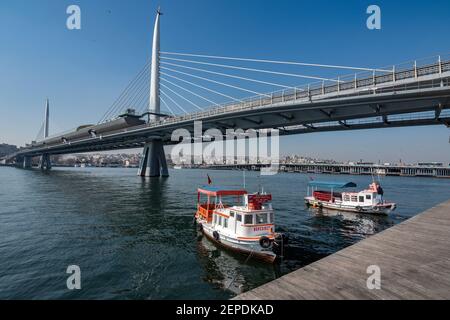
(6,149)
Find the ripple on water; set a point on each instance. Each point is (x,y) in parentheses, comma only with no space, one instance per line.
(134,239)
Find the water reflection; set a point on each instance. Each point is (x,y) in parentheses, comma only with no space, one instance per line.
(153,194)
(351,224)
(230,271)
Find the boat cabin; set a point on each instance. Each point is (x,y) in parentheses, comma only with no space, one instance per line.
(209,198)
(326,192)
(235,212)
(368,197)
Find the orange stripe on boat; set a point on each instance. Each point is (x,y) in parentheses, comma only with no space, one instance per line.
(254,238)
(257,225)
(221,214)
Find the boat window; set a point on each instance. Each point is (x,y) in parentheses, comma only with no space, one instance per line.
(238,217)
(346,197)
(271,217)
(215,219)
(368,196)
(361,198)
(354,199)
(248,219)
(261,218)
(232,214)
(220,220)
(225,223)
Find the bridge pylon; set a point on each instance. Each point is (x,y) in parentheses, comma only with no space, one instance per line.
(27,162)
(44,162)
(153,161)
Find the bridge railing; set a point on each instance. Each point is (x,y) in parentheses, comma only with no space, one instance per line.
(389,79)
(406,76)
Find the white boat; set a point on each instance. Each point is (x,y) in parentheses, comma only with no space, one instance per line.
(368,201)
(246,227)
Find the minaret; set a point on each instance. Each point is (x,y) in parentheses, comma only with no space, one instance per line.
(154,105)
(46,120)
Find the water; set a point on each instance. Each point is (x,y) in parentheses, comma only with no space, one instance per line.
(134,238)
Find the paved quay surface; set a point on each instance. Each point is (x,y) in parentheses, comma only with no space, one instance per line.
(414,259)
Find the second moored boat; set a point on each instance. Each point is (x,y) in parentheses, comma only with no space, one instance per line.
(323,194)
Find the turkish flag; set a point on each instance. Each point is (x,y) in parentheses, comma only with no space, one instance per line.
(209,180)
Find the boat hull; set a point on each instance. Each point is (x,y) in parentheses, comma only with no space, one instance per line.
(381,209)
(247,248)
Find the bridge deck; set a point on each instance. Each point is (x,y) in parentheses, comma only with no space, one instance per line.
(414,258)
(311,109)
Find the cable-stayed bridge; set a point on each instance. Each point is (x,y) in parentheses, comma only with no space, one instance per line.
(174,90)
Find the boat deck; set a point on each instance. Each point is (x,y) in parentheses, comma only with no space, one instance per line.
(414,259)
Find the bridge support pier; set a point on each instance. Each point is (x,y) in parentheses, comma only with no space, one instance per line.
(44,162)
(27,162)
(153,162)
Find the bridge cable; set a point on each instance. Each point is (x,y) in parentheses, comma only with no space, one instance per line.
(118,103)
(174,102)
(189,91)
(167,106)
(199,86)
(275,62)
(40,134)
(138,99)
(141,100)
(179,95)
(142,105)
(230,76)
(252,69)
(214,81)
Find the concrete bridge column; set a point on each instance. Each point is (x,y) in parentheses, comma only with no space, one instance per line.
(27,162)
(153,162)
(44,162)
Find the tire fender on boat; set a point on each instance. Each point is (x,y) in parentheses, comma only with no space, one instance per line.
(200,227)
(358,208)
(216,236)
(264,242)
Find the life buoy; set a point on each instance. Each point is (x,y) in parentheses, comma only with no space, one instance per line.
(216,235)
(264,242)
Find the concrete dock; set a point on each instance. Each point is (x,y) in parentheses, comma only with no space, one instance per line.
(438,170)
(413,257)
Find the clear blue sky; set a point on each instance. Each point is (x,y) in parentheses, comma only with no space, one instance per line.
(82,72)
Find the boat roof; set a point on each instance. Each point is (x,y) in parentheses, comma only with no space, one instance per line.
(221,191)
(332,184)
